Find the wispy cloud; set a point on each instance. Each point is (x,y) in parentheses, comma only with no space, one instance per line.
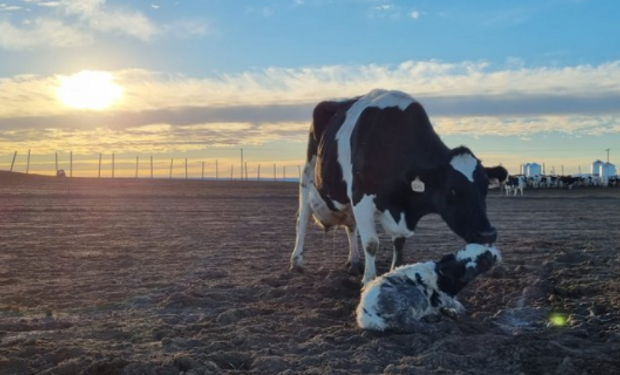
(41,32)
(469,98)
(73,23)
(102,17)
(390,9)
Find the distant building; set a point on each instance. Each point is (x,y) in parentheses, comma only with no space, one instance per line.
(533,169)
(524,168)
(607,170)
(596,168)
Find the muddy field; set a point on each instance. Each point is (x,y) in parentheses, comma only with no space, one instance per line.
(170,277)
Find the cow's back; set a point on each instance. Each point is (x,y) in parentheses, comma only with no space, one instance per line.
(371,144)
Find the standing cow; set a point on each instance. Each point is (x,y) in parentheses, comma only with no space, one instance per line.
(378,157)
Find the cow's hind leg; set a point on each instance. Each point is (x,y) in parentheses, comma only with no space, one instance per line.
(303,217)
(364,213)
(399,244)
(354,261)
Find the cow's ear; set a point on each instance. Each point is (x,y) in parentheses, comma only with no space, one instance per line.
(498,172)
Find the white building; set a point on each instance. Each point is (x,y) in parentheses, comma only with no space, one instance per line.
(607,170)
(533,169)
(524,168)
(596,167)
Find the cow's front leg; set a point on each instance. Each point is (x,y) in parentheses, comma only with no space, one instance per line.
(398,244)
(353,262)
(364,213)
(303,218)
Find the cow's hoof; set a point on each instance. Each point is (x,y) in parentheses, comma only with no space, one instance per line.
(298,269)
(453,314)
(355,269)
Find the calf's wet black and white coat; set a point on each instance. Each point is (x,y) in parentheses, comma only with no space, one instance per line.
(400,299)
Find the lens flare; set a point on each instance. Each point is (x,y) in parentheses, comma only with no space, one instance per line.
(558,320)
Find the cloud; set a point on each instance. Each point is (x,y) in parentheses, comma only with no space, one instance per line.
(467,98)
(105,18)
(75,23)
(9,8)
(41,32)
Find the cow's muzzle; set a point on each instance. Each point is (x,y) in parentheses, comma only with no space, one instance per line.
(488,236)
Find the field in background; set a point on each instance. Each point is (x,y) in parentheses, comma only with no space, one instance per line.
(140,276)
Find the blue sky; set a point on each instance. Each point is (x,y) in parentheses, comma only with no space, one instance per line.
(526,81)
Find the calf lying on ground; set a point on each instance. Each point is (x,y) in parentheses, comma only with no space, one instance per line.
(399,299)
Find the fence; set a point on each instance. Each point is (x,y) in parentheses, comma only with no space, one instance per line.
(110,166)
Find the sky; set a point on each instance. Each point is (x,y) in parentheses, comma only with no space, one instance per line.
(515,81)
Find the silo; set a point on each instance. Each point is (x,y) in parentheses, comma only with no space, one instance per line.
(596,167)
(533,170)
(524,168)
(607,170)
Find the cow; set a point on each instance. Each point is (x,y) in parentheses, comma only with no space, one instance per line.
(497,175)
(377,156)
(515,184)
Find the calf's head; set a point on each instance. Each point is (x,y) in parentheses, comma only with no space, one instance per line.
(455,271)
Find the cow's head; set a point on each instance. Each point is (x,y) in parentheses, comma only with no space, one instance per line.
(458,190)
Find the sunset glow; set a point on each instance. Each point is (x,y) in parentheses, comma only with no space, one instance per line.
(89,90)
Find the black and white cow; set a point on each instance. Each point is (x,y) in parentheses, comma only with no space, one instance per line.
(515,184)
(497,175)
(378,157)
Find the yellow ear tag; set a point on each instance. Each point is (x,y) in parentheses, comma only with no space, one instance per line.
(417,185)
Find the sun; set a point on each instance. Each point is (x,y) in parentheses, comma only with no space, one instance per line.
(88,90)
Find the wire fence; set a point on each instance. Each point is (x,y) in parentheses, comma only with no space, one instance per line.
(112,166)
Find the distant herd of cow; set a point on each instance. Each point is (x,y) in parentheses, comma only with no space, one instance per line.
(515,184)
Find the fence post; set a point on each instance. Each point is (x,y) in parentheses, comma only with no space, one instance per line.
(99,173)
(28,163)
(13,162)
(258,173)
(241,167)
(274,171)
(171,162)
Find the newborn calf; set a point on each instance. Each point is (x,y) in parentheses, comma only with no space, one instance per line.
(398,300)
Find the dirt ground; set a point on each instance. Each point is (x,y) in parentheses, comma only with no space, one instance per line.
(167,277)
